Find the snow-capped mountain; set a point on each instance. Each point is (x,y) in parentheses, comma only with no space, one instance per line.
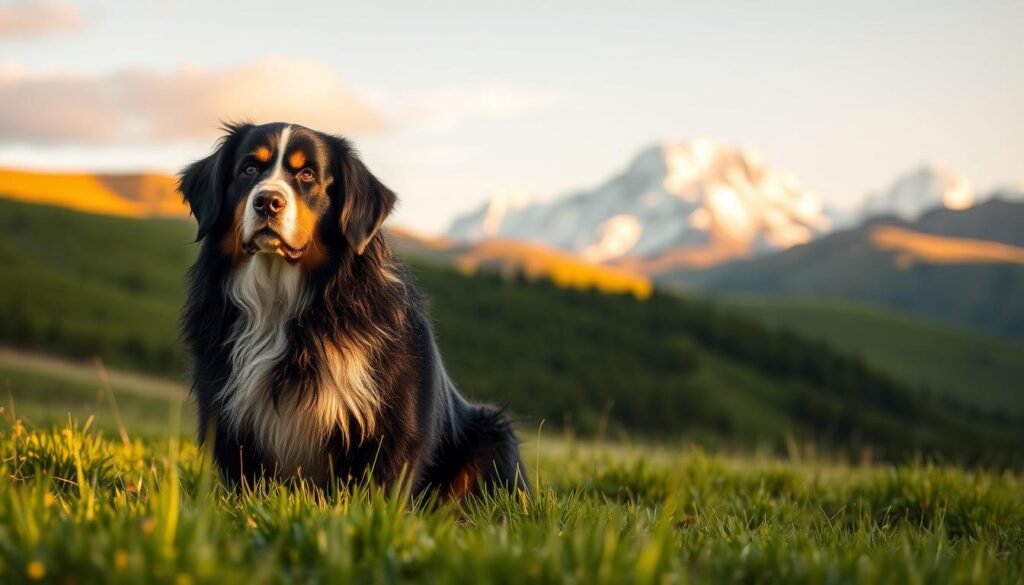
(701,197)
(926,188)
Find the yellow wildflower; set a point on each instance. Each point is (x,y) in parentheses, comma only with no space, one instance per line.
(36,570)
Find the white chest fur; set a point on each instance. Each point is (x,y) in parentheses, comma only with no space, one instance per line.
(269,293)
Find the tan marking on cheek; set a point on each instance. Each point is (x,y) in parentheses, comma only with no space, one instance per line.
(262,154)
(315,255)
(316,251)
(297,160)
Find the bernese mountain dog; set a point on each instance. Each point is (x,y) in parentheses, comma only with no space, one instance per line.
(313,354)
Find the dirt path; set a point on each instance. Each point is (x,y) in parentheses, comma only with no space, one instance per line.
(90,373)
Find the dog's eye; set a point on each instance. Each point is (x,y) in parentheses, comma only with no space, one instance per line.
(306,176)
(250,170)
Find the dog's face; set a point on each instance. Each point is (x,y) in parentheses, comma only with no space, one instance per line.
(286,190)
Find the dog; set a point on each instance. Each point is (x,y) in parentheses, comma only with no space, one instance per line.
(313,355)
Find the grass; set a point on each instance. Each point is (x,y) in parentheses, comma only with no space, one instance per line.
(78,507)
(80,504)
(951,362)
(44,392)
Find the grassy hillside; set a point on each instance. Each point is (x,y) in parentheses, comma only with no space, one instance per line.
(955,363)
(79,508)
(667,367)
(87,285)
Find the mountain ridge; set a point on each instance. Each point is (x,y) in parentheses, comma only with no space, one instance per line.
(927,187)
(961,278)
(701,203)
(700,195)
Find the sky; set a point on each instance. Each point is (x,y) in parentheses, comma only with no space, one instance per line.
(451,103)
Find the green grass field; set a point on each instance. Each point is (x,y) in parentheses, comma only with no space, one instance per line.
(80,505)
(959,364)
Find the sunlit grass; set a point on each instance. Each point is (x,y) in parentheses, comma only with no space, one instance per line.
(136,195)
(562,269)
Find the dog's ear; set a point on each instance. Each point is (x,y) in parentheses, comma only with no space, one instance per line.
(202,183)
(365,202)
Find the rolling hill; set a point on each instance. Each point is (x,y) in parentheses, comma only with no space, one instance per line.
(951,362)
(85,285)
(133,195)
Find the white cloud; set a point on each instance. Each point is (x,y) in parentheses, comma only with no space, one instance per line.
(133,107)
(447,108)
(28,19)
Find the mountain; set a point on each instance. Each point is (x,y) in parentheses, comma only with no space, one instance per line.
(999,219)
(963,279)
(130,194)
(925,188)
(689,204)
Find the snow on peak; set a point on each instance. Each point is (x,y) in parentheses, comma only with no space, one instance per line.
(618,235)
(697,194)
(926,187)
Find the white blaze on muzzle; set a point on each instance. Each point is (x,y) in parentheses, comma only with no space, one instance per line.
(287,222)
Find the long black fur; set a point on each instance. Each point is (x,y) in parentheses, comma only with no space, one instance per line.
(425,430)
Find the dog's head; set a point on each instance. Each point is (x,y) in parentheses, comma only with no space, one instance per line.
(287,190)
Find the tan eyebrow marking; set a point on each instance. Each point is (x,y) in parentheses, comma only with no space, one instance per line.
(297,160)
(262,154)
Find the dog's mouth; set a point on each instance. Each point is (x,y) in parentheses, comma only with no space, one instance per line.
(267,241)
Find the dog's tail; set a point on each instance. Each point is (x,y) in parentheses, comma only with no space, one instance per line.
(497,447)
(482,454)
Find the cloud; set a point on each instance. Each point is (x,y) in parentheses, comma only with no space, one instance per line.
(27,19)
(446,108)
(185,105)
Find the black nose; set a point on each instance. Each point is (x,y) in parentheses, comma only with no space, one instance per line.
(268,203)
